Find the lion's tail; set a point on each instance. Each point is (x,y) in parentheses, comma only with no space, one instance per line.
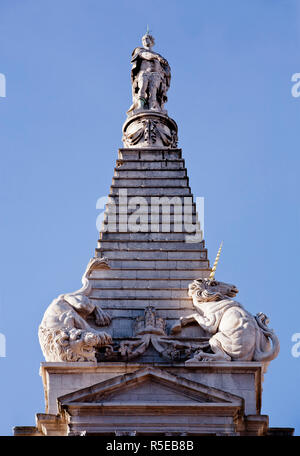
(265,333)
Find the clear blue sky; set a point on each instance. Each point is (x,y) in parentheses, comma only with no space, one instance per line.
(67,66)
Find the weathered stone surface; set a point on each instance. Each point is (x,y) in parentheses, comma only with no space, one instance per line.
(146,237)
(158,255)
(144,274)
(153,155)
(161,245)
(125,182)
(152,191)
(138,173)
(154,163)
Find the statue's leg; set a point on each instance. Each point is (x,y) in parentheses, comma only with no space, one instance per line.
(142,93)
(134,98)
(153,90)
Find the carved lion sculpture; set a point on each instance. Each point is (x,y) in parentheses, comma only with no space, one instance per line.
(64,332)
(236,335)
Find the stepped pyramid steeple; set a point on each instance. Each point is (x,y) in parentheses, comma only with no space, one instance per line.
(152,343)
(150,254)
(151,235)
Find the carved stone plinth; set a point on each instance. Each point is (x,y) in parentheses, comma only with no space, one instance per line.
(148,129)
(121,398)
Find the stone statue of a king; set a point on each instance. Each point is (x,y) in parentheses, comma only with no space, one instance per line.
(150,76)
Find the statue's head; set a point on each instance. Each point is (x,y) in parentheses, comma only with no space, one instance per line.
(148,41)
(206,290)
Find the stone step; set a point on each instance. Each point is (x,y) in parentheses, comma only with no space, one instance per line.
(150,174)
(166,252)
(150,164)
(149,154)
(147,182)
(149,237)
(154,204)
(150,217)
(152,191)
(125,305)
(153,255)
(132,205)
(153,200)
(146,274)
(158,264)
(154,227)
(139,293)
(159,245)
(147,284)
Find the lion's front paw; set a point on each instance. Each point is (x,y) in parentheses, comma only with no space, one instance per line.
(104,338)
(102,318)
(90,339)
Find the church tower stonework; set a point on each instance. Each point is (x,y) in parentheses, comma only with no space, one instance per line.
(152,343)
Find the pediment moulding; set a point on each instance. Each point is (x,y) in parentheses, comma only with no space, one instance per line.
(143,380)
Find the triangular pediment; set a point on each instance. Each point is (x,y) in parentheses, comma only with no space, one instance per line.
(149,386)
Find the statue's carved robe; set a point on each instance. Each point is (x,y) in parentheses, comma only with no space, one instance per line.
(162,75)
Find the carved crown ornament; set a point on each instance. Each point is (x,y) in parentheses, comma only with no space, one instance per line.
(150,330)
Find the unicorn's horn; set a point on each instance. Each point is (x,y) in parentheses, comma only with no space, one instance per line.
(213,271)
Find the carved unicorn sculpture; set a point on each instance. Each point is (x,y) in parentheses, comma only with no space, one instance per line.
(236,335)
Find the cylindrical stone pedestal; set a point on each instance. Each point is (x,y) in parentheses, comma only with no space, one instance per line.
(148,129)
